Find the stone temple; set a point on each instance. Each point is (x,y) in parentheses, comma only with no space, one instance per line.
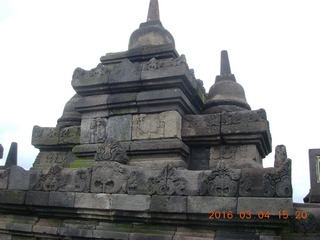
(141,151)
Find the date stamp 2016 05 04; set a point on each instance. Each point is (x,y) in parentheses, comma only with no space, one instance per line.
(259,215)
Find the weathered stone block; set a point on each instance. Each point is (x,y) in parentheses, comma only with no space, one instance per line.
(92,103)
(75,232)
(47,226)
(69,135)
(236,156)
(140,236)
(4,179)
(196,204)
(37,198)
(125,72)
(119,127)
(271,205)
(5,237)
(45,136)
(12,197)
(162,125)
(19,178)
(173,204)
(45,160)
(95,77)
(110,234)
(201,125)
(130,202)
(22,227)
(93,200)
(93,130)
(61,199)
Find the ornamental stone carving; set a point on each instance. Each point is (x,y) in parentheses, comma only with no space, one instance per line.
(97,130)
(222,182)
(82,180)
(54,180)
(246,183)
(96,75)
(107,177)
(167,63)
(111,150)
(167,183)
(228,118)
(153,126)
(277,181)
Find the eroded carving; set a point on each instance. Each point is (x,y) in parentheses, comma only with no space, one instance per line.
(4,177)
(69,135)
(223,152)
(167,183)
(228,118)
(54,180)
(56,157)
(94,74)
(246,183)
(44,135)
(222,182)
(111,150)
(277,181)
(107,177)
(162,125)
(98,132)
(164,63)
(82,180)
(131,184)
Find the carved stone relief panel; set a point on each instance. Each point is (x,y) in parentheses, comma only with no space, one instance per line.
(107,177)
(167,182)
(111,150)
(98,75)
(152,126)
(277,181)
(235,155)
(69,135)
(45,136)
(45,160)
(201,125)
(93,130)
(222,182)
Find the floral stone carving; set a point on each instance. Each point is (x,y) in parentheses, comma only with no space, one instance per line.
(167,183)
(111,150)
(107,177)
(278,181)
(222,182)
(54,180)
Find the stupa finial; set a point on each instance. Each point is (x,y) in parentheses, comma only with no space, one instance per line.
(225,64)
(153,13)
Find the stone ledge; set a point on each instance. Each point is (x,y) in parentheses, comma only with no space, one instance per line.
(12,197)
(92,200)
(203,204)
(130,202)
(271,205)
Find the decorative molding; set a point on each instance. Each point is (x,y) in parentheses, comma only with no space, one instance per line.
(111,150)
(222,182)
(167,183)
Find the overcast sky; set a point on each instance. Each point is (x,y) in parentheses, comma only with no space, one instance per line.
(273,45)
